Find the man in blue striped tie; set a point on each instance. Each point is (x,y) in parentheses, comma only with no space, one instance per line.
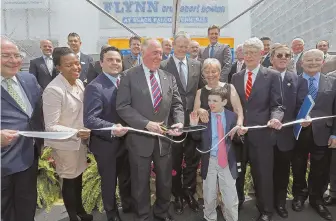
(316,138)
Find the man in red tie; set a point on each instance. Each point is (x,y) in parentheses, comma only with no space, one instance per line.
(218,163)
(259,89)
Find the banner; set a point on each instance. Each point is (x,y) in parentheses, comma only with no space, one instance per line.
(24,4)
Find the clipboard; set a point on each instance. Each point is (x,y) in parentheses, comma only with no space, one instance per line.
(306,107)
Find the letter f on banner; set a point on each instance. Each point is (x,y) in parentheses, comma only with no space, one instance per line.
(176,13)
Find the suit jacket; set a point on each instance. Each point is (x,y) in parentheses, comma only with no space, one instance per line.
(265,103)
(234,70)
(267,61)
(129,62)
(299,68)
(193,84)
(206,144)
(325,105)
(329,64)
(100,111)
(295,89)
(134,106)
(165,57)
(85,61)
(40,70)
(63,110)
(223,54)
(94,70)
(20,154)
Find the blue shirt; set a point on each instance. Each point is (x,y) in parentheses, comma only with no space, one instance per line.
(214,131)
(113,79)
(316,77)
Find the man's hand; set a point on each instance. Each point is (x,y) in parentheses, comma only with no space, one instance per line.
(307,122)
(119,130)
(176,131)
(204,115)
(7,136)
(194,118)
(275,124)
(242,131)
(84,133)
(154,127)
(332,142)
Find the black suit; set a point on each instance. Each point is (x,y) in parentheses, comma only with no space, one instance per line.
(267,61)
(187,148)
(295,90)
(94,70)
(40,70)
(314,140)
(234,70)
(85,61)
(263,104)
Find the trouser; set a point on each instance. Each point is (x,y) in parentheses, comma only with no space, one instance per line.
(332,190)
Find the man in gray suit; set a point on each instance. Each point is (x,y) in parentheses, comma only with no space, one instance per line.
(259,89)
(43,67)
(134,58)
(219,51)
(187,73)
(74,42)
(147,98)
(297,49)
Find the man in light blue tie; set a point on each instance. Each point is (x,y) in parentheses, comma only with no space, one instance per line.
(316,138)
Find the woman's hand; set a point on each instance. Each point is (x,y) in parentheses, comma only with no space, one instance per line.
(203,114)
(84,133)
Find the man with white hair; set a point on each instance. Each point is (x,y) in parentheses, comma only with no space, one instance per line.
(297,48)
(316,138)
(259,89)
(167,46)
(239,64)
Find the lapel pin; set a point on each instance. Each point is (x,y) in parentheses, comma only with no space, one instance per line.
(289,84)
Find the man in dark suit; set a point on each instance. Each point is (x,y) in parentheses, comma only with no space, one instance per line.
(133,59)
(167,48)
(75,43)
(43,68)
(239,64)
(107,146)
(148,96)
(194,48)
(219,51)
(297,48)
(187,73)
(94,68)
(316,138)
(21,110)
(259,89)
(295,89)
(266,59)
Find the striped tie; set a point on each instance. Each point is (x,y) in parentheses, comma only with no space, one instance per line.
(11,91)
(156,93)
(248,87)
(312,89)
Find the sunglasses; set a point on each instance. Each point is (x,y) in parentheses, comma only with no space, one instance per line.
(287,55)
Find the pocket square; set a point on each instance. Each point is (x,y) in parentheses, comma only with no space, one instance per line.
(82,62)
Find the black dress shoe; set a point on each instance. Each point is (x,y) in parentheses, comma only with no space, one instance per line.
(178,205)
(322,211)
(126,209)
(85,217)
(193,204)
(329,201)
(264,217)
(168,218)
(297,205)
(282,211)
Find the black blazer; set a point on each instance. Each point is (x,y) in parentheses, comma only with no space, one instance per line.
(40,70)
(234,70)
(94,70)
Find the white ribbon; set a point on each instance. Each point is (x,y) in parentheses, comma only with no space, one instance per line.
(48,135)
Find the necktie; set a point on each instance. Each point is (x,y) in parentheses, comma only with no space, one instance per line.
(14,94)
(156,93)
(312,89)
(182,76)
(222,155)
(212,51)
(248,87)
(50,64)
(118,82)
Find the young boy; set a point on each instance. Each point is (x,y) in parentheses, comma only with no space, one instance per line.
(218,165)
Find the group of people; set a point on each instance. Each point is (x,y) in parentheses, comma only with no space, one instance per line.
(154,89)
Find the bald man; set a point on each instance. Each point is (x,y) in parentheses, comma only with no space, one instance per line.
(43,67)
(167,46)
(21,110)
(193,50)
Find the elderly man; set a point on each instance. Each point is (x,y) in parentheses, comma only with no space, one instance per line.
(147,98)
(297,49)
(316,139)
(193,49)
(259,89)
(167,46)
(239,64)
(187,73)
(43,67)
(294,91)
(324,47)
(219,51)
(134,58)
(21,110)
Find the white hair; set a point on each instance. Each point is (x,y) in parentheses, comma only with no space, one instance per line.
(211,61)
(298,39)
(182,34)
(239,46)
(255,43)
(313,51)
(148,42)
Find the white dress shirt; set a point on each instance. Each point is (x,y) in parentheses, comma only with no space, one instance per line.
(78,55)
(156,75)
(254,75)
(239,65)
(49,62)
(283,75)
(184,67)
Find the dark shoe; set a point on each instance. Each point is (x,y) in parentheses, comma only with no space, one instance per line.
(297,205)
(168,218)
(322,211)
(329,201)
(178,205)
(282,211)
(264,217)
(85,217)
(192,202)
(126,209)
(113,215)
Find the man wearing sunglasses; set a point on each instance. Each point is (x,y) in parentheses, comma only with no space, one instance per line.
(294,91)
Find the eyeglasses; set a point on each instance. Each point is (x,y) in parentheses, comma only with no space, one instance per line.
(6,56)
(280,55)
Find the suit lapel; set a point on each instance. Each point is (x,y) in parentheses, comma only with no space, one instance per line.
(142,83)
(323,85)
(191,72)
(164,86)
(44,66)
(171,67)
(69,88)
(240,85)
(206,53)
(5,95)
(258,82)
(26,90)
(228,121)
